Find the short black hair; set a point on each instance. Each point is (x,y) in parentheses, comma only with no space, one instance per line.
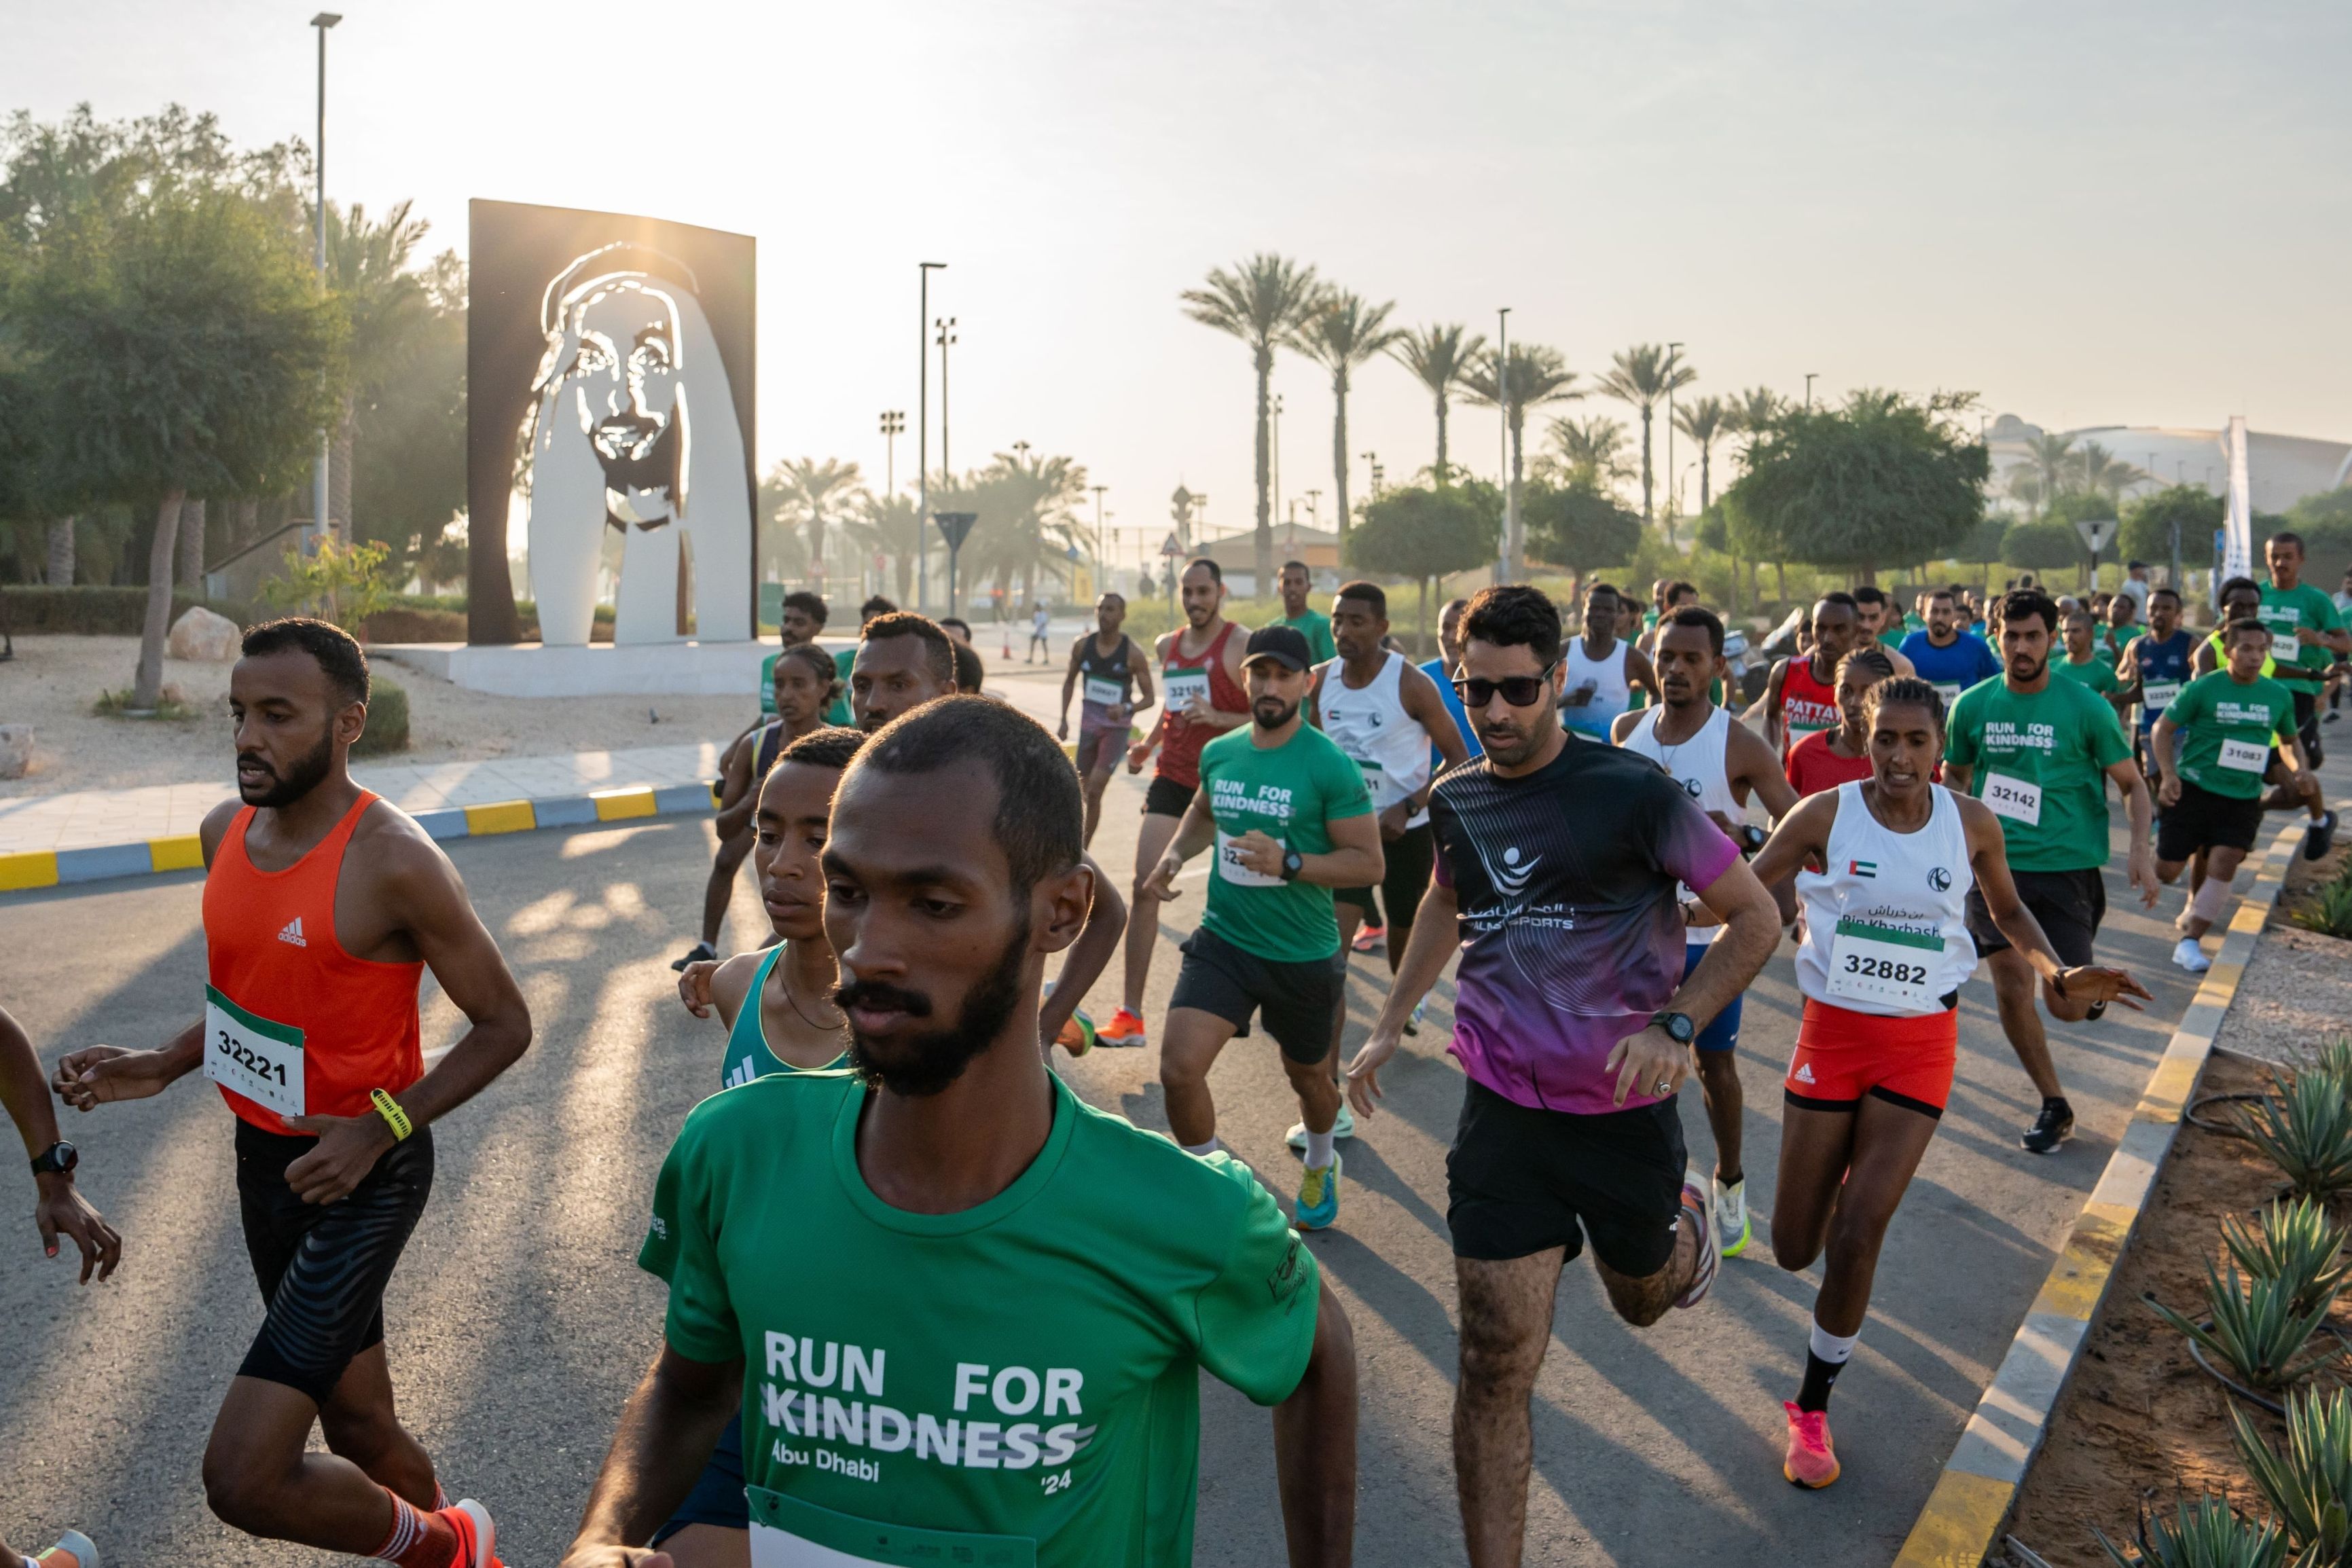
(2241,626)
(878,605)
(1837,596)
(1696,615)
(2078,612)
(807,604)
(1677,588)
(831,747)
(1514,615)
(939,648)
(1112,593)
(1370,593)
(2023,603)
(2238,585)
(1216,573)
(1297,566)
(1610,589)
(816,658)
(970,668)
(1868,593)
(1040,814)
(956,621)
(2172,593)
(336,650)
(2287,537)
(1951,593)
(1904,689)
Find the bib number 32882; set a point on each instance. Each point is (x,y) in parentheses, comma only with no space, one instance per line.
(253,1056)
(1885,965)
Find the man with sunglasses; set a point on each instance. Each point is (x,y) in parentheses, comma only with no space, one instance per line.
(1557,875)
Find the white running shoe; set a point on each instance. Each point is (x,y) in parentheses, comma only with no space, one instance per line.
(1345,1127)
(2191,956)
(1731,1216)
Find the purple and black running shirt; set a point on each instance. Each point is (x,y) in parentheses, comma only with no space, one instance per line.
(1570,934)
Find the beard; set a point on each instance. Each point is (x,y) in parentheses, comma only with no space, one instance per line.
(926,1063)
(1280,714)
(641,477)
(307,772)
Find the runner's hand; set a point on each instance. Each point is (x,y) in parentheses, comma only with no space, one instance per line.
(2305,781)
(348,1148)
(100,1074)
(63,1210)
(1136,754)
(2168,794)
(694,986)
(1062,733)
(615,1557)
(1161,882)
(1364,1072)
(1393,820)
(2096,983)
(1258,852)
(1643,1061)
(2142,873)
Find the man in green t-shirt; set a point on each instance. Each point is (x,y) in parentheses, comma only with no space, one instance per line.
(1291,819)
(2307,636)
(803,622)
(966,1313)
(2085,661)
(2212,749)
(2037,751)
(1311,624)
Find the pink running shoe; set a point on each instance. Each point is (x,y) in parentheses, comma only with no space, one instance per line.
(1694,1214)
(1811,1463)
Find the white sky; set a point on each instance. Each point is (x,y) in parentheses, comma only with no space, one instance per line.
(2091,213)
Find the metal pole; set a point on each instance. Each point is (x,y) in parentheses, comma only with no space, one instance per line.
(1101,564)
(946,337)
(1674,491)
(1809,390)
(923,270)
(1506,566)
(320,24)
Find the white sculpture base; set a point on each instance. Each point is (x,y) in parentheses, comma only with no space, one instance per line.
(529,670)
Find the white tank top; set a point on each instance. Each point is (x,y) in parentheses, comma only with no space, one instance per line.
(1697,765)
(1373,727)
(1887,924)
(1603,683)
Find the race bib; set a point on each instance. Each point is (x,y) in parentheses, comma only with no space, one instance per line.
(1104,693)
(2013,797)
(2157,695)
(2244,756)
(1230,866)
(789,1533)
(1950,692)
(1183,685)
(1885,965)
(1373,774)
(257,1059)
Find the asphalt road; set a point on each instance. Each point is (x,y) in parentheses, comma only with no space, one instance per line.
(518,1321)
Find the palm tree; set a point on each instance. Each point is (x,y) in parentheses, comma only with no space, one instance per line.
(889,525)
(1262,301)
(1706,420)
(813,493)
(386,304)
(1644,375)
(2051,457)
(1437,356)
(1344,333)
(1028,523)
(1589,452)
(1535,375)
(2096,468)
(1751,413)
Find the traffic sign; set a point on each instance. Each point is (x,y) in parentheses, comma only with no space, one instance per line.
(956,526)
(2096,532)
(1171,547)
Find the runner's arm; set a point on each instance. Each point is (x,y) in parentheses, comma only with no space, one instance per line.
(1070,683)
(1146,695)
(1771,701)
(1314,1446)
(709,983)
(2140,865)
(1801,836)
(1355,858)
(1195,832)
(736,799)
(1989,859)
(1754,769)
(1425,706)
(2127,674)
(58,1206)
(1087,957)
(663,1438)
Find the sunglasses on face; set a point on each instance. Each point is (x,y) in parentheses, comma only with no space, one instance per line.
(1520,691)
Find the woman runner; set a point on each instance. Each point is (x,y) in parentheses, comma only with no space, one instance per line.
(1886,948)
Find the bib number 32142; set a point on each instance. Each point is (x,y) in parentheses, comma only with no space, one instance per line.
(2015,798)
(253,1056)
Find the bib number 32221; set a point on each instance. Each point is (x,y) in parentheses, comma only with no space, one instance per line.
(253,1056)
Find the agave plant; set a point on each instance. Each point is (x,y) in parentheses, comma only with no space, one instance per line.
(2207,1534)
(2309,1485)
(2327,911)
(2306,1127)
(2334,1060)
(2256,1333)
(2296,1246)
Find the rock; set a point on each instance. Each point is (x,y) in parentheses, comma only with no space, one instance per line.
(201,634)
(15,749)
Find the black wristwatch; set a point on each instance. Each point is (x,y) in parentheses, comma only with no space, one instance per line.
(1751,837)
(1678,1027)
(1293,863)
(58,1159)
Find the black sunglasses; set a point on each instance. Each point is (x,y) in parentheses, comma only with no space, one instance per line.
(1520,691)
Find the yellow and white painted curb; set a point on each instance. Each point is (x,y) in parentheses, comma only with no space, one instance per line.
(1961,1525)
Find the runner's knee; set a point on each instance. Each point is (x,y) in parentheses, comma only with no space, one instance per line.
(1498,1360)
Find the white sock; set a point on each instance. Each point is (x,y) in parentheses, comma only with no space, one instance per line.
(1835,1350)
(1320,1152)
(1203,1150)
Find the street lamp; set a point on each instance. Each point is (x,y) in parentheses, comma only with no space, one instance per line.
(1507,565)
(923,270)
(323,21)
(1372,465)
(894,425)
(1102,564)
(1809,390)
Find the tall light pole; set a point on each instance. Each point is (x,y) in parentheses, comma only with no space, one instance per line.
(894,425)
(1674,498)
(1101,564)
(946,336)
(923,270)
(1809,390)
(321,23)
(1506,566)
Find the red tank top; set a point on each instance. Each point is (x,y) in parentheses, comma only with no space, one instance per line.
(1806,704)
(269,939)
(1180,742)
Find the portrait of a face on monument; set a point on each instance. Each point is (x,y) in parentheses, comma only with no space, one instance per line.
(608,425)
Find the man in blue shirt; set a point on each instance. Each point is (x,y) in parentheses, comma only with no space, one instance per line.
(1441,670)
(1948,658)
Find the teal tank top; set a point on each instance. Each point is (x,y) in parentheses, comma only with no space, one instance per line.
(747,1056)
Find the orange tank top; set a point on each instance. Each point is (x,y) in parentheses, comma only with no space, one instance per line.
(270,946)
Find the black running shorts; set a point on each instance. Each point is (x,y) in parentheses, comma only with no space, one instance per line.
(2306,721)
(1518,1180)
(1165,797)
(1410,861)
(2202,820)
(322,1268)
(2069,904)
(1297,1001)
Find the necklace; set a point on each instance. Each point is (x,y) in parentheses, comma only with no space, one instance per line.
(794,1003)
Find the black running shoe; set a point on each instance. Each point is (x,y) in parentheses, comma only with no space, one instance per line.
(2319,837)
(701,953)
(2052,1127)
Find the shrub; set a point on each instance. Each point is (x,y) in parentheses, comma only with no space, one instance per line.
(2295,1245)
(2305,1128)
(2207,1534)
(98,612)
(2308,1486)
(2327,911)
(2258,1334)
(387,720)
(404,625)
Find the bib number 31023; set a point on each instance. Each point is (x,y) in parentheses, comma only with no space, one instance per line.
(1885,965)
(253,1056)
(2015,798)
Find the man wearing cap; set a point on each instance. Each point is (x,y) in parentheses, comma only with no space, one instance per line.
(1290,820)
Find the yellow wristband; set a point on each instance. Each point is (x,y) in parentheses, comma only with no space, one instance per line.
(394,1117)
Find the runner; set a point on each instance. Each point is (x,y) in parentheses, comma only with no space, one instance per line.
(842,712)
(2210,749)
(2340,674)
(1720,765)
(2156,667)
(970,669)
(1569,1127)
(2033,749)
(1311,624)
(2137,588)
(323,905)
(958,628)
(803,690)
(776,1007)
(812,1224)
(1110,664)
(1201,683)
(2243,597)
(1040,620)
(1290,820)
(1948,655)
(803,623)
(2120,626)
(1880,623)
(1388,718)
(1801,695)
(2085,662)
(1829,757)
(2309,634)
(1440,672)
(1911,869)
(1603,668)
(1670,598)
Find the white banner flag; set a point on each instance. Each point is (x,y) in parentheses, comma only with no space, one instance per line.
(2238,530)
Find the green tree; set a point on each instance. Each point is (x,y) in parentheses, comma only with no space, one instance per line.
(1589,452)
(389,312)
(812,496)
(2051,457)
(2148,524)
(1262,301)
(1643,376)
(1982,543)
(2096,468)
(1425,533)
(1535,375)
(1706,420)
(1028,524)
(1884,478)
(407,446)
(889,525)
(1437,357)
(1342,334)
(2045,545)
(1577,527)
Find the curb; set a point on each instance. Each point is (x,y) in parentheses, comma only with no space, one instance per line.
(183,851)
(1961,1525)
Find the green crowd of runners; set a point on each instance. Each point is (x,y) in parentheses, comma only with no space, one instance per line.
(1591,823)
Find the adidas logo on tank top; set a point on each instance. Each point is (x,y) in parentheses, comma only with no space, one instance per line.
(293,932)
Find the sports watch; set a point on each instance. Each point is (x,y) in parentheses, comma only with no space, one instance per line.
(1678,1027)
(58,1159)
(1293,863)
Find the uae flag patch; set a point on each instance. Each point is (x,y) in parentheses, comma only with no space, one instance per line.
(1861,868)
